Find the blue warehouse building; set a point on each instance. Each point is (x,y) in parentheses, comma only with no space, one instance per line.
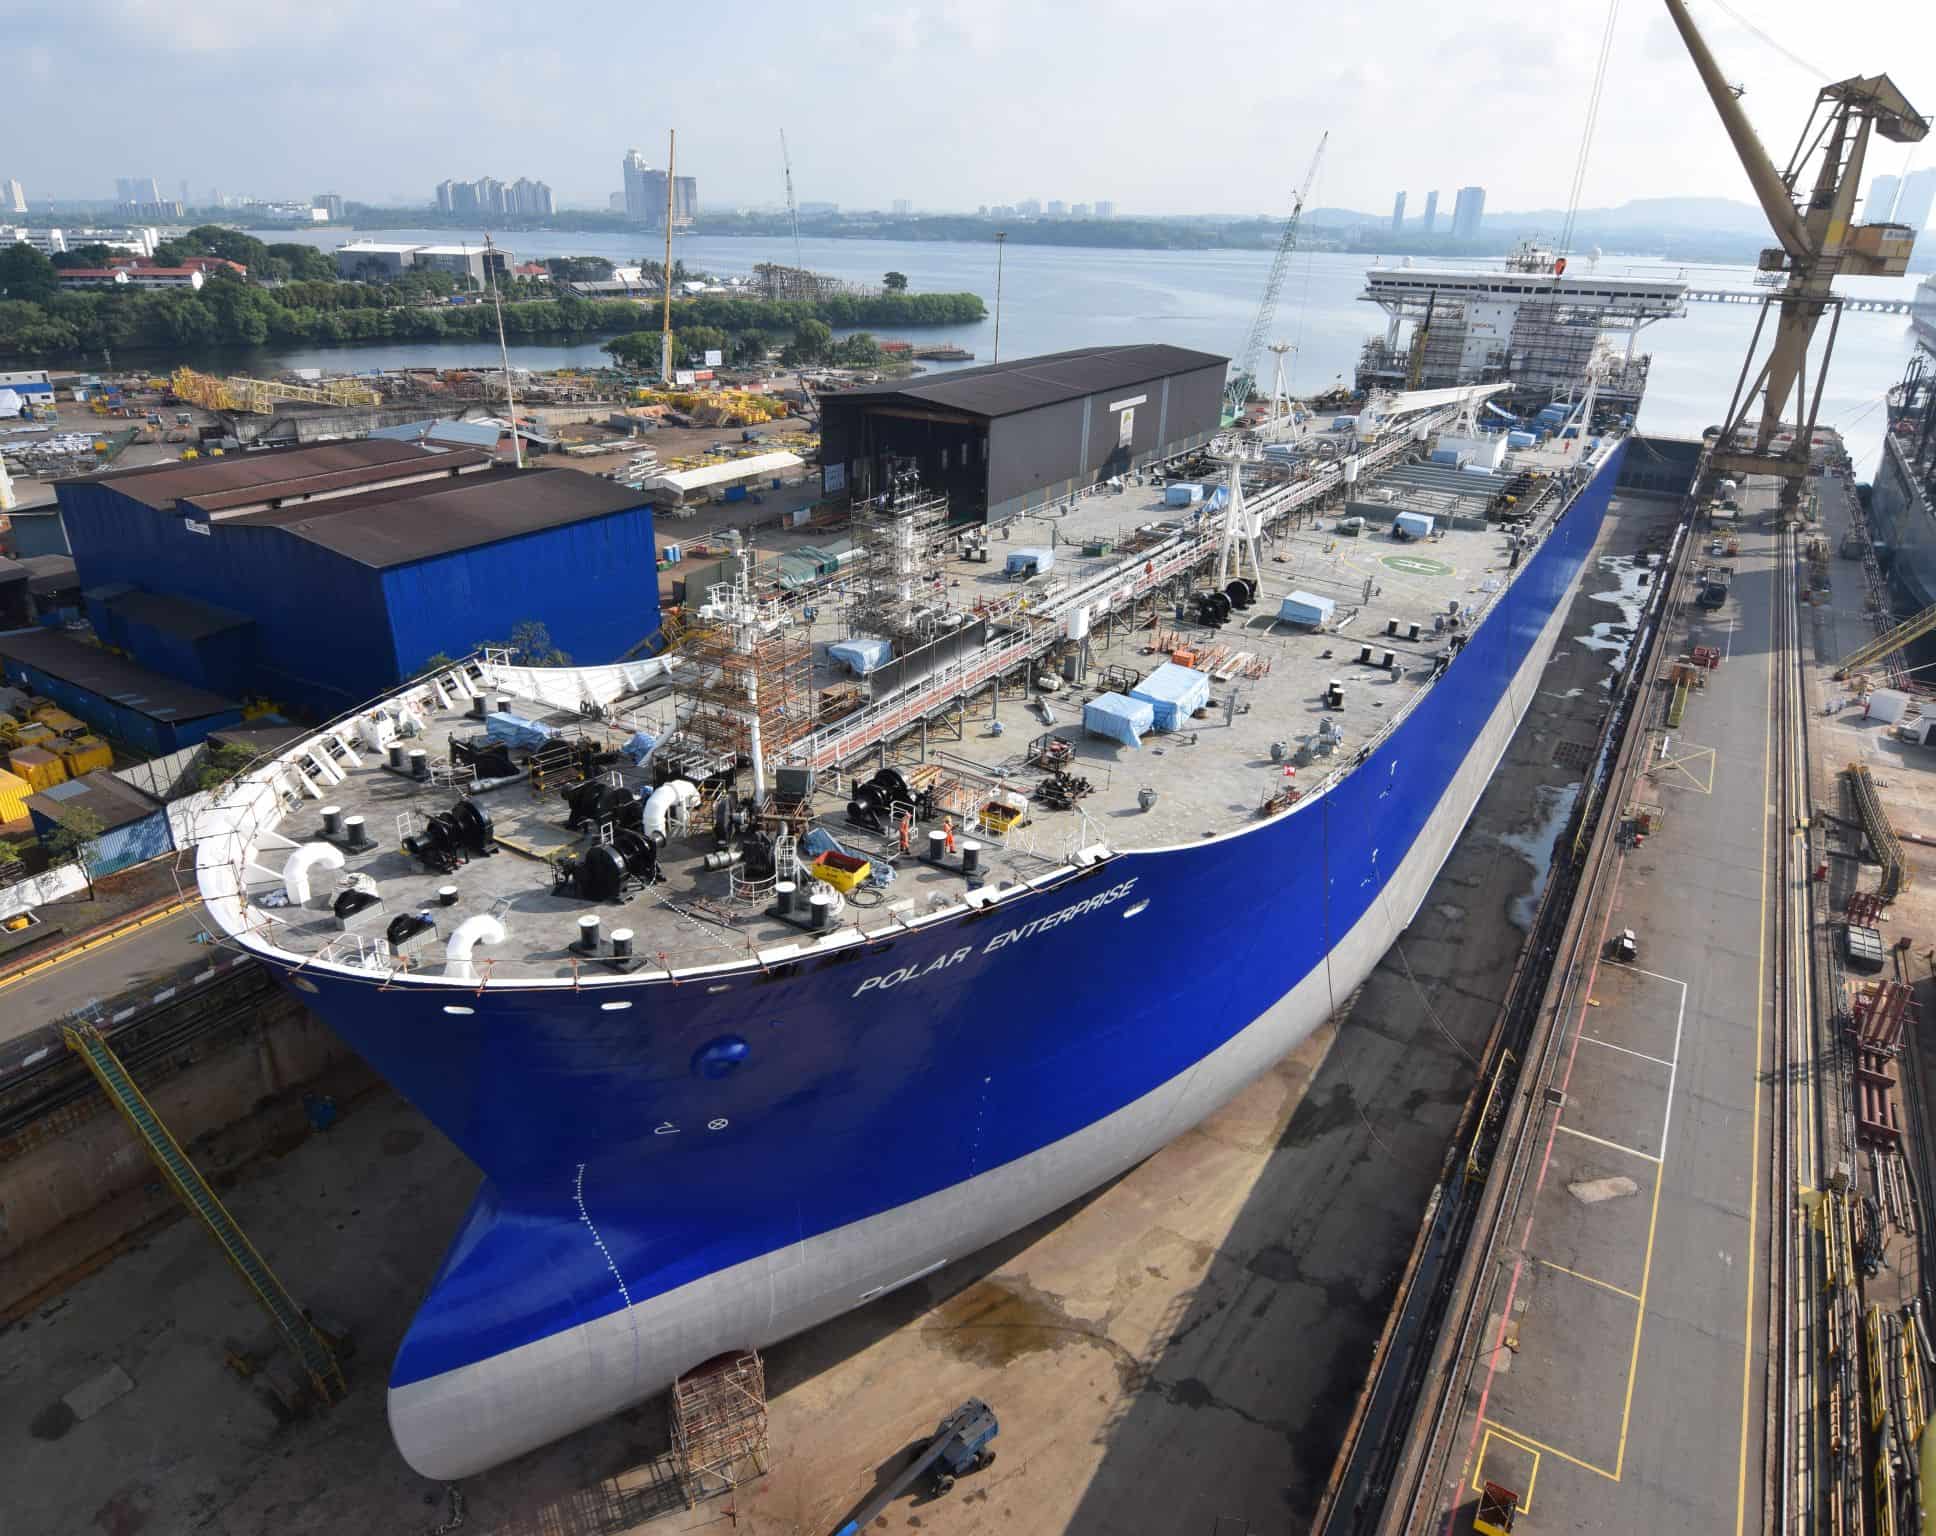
(321,576)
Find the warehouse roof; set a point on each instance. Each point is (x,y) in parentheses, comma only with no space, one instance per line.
(183,617)
(112,677)
(398,524)
(1002,389)
(162,485)
(117,804)
(728,472)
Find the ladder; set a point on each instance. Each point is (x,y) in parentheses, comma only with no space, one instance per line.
(311,1351)
(1889,643)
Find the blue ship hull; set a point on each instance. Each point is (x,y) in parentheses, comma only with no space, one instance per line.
(676,1168)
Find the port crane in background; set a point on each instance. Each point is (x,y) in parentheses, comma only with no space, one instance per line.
(793,208)
(1244,378)
(1818,243)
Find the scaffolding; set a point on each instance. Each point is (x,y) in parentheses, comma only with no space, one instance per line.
(745,689)
(260,396)
(900,593)
(719,1426)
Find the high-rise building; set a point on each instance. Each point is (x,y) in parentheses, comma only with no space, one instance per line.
(1914,200)
(1029,207)
(530,197)
(1079,210)
(1431,212)
(1056,208)
(685,200)
(1398,213)
(902,207)
(13,196)
(1880,205)
(1105,210)
(329,204)
(615,203)
(1467,212)
(645,190)
(137,189)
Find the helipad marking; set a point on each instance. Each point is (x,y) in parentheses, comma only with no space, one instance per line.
(1414,565)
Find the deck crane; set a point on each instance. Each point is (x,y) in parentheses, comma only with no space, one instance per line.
(1237,391)
(1818,243)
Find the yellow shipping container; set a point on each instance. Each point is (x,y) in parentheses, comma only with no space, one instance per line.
(58,720)
(35,734)
(83,754)
(14,791)
(39,768)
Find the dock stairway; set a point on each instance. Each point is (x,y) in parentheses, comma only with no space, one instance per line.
(311,1351)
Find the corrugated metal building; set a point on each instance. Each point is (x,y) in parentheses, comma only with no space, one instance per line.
(135,827)
(321,576)
(121,699)
(1001,439)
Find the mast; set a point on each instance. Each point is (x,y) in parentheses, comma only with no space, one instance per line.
(665,325)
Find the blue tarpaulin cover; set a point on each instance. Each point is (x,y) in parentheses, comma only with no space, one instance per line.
(518,731)
(1035,559)
(862,655)
(639,748)
(1305,608)
(1174,693)
(1118,718)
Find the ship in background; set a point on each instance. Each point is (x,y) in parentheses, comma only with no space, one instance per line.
(1534,320)
(1922,312)
(1902,498)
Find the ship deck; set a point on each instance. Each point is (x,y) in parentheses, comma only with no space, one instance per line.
(1225,770)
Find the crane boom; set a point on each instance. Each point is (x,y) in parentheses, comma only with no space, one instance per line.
(1239,387)
(793,210)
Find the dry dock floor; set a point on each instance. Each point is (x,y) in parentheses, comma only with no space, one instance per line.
(1185,1344)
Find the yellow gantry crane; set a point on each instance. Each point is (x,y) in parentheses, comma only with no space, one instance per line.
(260,396)
(1818,243)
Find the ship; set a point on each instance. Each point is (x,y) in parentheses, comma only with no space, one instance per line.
(1902,498)
(1922,312)
(1532,320)
(755,996)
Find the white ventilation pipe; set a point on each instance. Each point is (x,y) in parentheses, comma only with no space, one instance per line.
(681,794)
(295,872)
(481,929)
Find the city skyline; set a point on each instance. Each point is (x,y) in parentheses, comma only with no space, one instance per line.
(1481,73)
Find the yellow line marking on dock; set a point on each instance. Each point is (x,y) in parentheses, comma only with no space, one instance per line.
(1532,1478)
(1605,1285)
(100,941)
(1613,1146)
(1672,770)
(1528,1443)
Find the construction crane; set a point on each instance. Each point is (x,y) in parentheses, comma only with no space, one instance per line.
(1415,370)
(1889,643)
(1818,243)
(1237,391)
(793,208)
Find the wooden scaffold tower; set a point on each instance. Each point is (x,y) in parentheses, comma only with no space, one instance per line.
(719,1426)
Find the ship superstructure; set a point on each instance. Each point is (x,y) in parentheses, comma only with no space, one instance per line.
(1534,319)
(757,989)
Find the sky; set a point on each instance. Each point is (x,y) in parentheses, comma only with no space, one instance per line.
(1157,107)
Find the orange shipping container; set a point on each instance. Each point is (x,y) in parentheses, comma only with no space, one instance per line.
(14,791)
(39,768)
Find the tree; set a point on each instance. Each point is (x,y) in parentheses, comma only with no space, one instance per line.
(222,762)
(812,340)
(82,256)
(749,349)
(694,344)
(11,866)
(895,282)
(77,840)
(532,641)
(26,274)
(859,350)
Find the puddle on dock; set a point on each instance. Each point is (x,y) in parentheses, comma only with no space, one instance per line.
(996,1322)
(1614,638)
(1535,843)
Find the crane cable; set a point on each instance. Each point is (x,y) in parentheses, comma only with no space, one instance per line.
(1793,58)
(1587,131)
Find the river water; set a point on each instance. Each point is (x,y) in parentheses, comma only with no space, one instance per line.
(1056,297)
